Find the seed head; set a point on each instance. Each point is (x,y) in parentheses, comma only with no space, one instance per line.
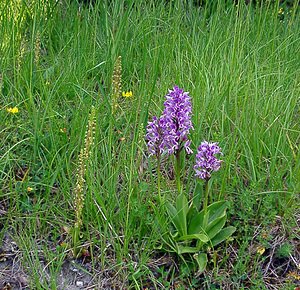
(116,83)
(83,158)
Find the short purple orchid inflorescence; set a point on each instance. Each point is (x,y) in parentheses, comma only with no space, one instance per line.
(154,136)
(176,121)
(206,162)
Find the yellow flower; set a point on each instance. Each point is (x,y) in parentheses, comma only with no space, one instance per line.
(29,189)
(127,94)
(13,110)
(63,130)
(294,275)
(260,250)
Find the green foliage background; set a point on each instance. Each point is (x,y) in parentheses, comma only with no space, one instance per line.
(240,64)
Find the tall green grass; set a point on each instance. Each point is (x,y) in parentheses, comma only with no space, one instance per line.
(241,67)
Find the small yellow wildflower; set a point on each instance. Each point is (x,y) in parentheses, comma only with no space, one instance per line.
(260,250)
(63,244)
(127,94)
(294,275)
(265,235)
(29,189)
(280,12)
(63,130)
(13,110)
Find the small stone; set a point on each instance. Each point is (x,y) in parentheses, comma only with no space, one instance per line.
(79,283)
(23,280)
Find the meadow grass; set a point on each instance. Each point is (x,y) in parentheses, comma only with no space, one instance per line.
(241,66)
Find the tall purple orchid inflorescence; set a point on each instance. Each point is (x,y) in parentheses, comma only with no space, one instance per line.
(206,162)
(176,121)
(169,133)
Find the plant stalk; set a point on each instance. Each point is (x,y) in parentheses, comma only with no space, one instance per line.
(159,177)
(178,171)
(76,248)
(206,191)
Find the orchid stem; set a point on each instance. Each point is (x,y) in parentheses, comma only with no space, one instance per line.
(206,191)
(158,178)
(178,171)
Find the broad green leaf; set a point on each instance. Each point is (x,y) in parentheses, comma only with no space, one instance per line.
(191,213)
(172,212)
(202,237)
(223,235)
(196,223)
(185,250)
(198,194)
(212,231)
(205,220)
(214,222)
(201,261)
(216,205)
(182,208)
(216,210)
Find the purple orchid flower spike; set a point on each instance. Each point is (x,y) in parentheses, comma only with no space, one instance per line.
(154,136)
(176,121)
(206,162)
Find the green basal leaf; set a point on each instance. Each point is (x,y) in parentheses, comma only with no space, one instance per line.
(186,250)
(215,221)
(196,223)
(205,220)
(223,235)
(216,228)
(216,210)
(198,194)
(172,212)
(191,213)
(182,208)
(201,259)
(202,237)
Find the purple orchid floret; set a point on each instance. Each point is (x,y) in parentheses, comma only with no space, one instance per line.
(154,136)
(206,162)
(176,121)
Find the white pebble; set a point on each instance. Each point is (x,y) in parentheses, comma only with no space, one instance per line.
(79,283)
